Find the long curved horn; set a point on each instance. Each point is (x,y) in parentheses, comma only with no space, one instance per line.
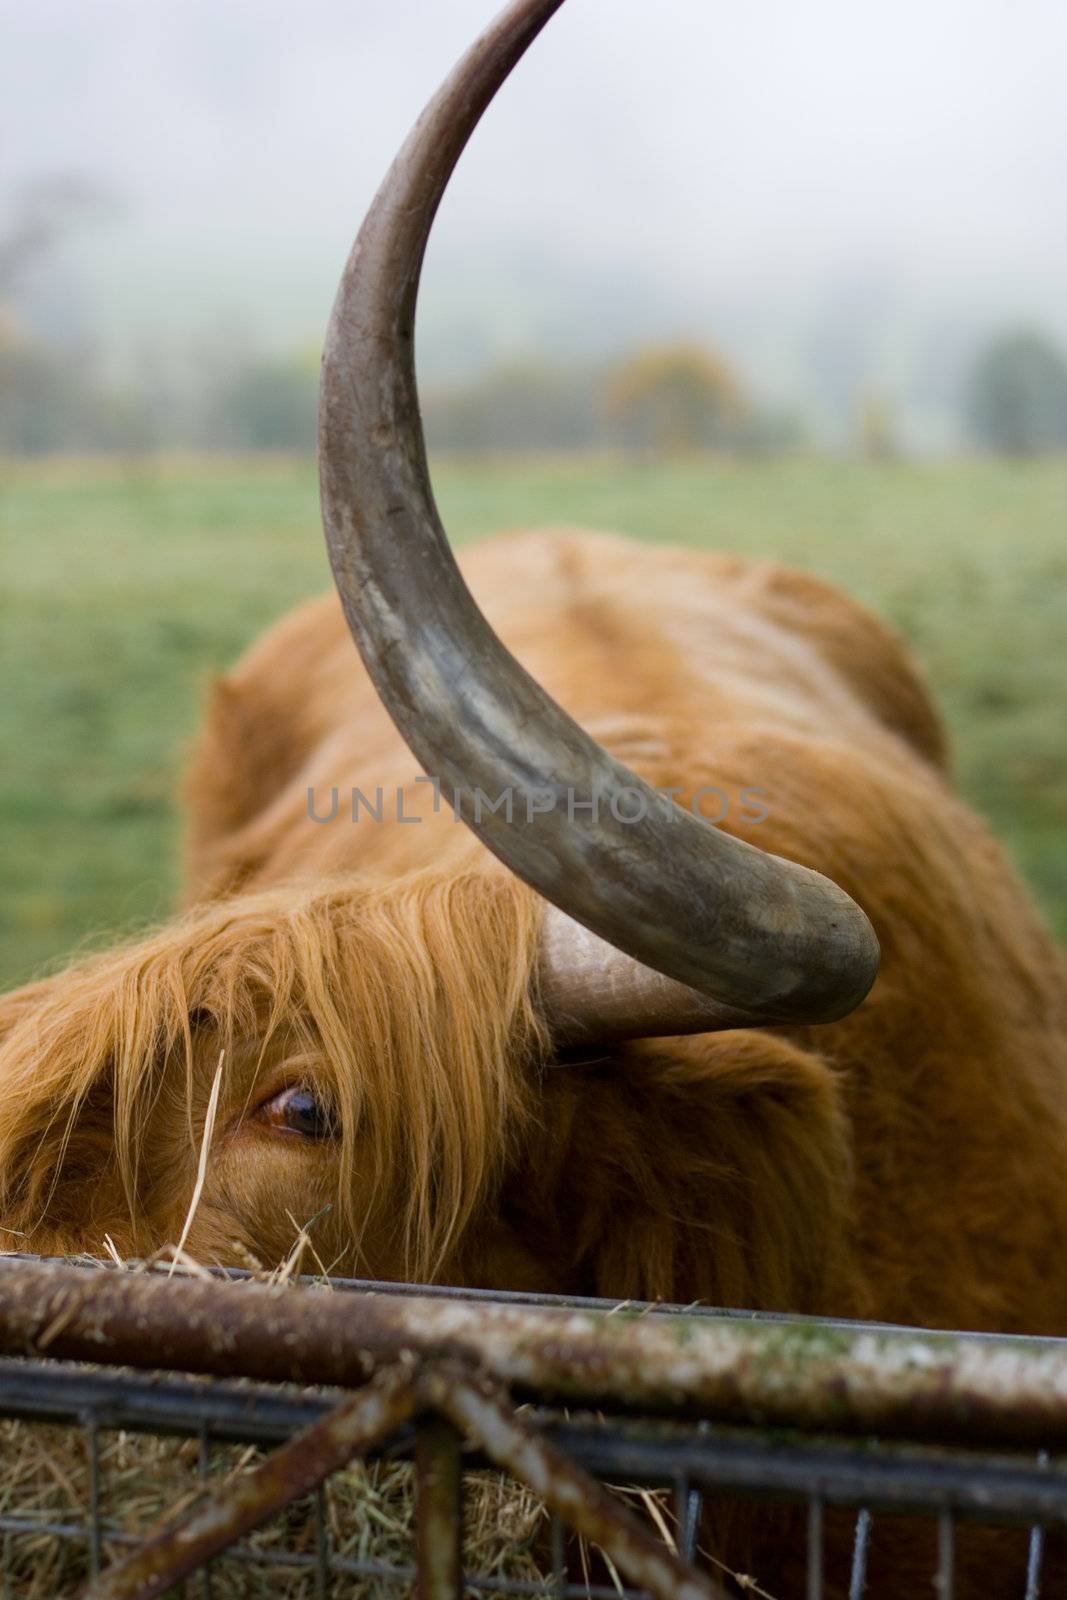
(767,939)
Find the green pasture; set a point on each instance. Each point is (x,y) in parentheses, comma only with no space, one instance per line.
(125,586)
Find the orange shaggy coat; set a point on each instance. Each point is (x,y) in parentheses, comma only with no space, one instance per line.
(907,1163)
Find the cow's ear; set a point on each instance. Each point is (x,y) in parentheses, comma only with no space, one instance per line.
(715,1168)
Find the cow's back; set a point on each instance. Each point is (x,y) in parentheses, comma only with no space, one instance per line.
(657,651)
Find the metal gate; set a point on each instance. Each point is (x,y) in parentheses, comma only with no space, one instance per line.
(622,1432)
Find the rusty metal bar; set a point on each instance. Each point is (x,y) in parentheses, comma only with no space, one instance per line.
(688,1506)
(92,1447)
(558,1547)
(861,1544)
(322,1545)
(1035,1554)
(203,1468)
(945,1581)
(815,1548)
(444,1291)
(439,1511)
(770,1374)
(1034,1557)
(237,1508)
(477,1408)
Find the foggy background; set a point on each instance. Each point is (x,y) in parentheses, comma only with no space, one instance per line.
(848,204)
(785,280)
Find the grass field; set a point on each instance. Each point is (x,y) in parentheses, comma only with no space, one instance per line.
(125,588)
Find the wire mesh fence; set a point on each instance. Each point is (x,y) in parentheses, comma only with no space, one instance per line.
(447,1442)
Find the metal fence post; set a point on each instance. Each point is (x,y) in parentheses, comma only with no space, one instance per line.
(439,1509)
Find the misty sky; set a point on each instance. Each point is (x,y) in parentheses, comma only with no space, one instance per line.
(827,190)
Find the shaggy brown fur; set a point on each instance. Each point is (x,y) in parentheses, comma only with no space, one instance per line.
(908,1163)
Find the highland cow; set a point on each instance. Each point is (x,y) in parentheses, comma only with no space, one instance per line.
(672,1081)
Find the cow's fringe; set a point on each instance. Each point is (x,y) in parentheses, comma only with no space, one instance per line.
(409,1005)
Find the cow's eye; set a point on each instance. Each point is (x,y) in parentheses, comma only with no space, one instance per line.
(299,1110)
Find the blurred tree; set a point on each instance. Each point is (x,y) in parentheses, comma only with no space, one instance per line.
(50,397)
(877,426)
(42,213)
(522,405)
(769,431)
(846,342)
(40,408)
(270,403)
(54,400)
(1017,395)
(675,398)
